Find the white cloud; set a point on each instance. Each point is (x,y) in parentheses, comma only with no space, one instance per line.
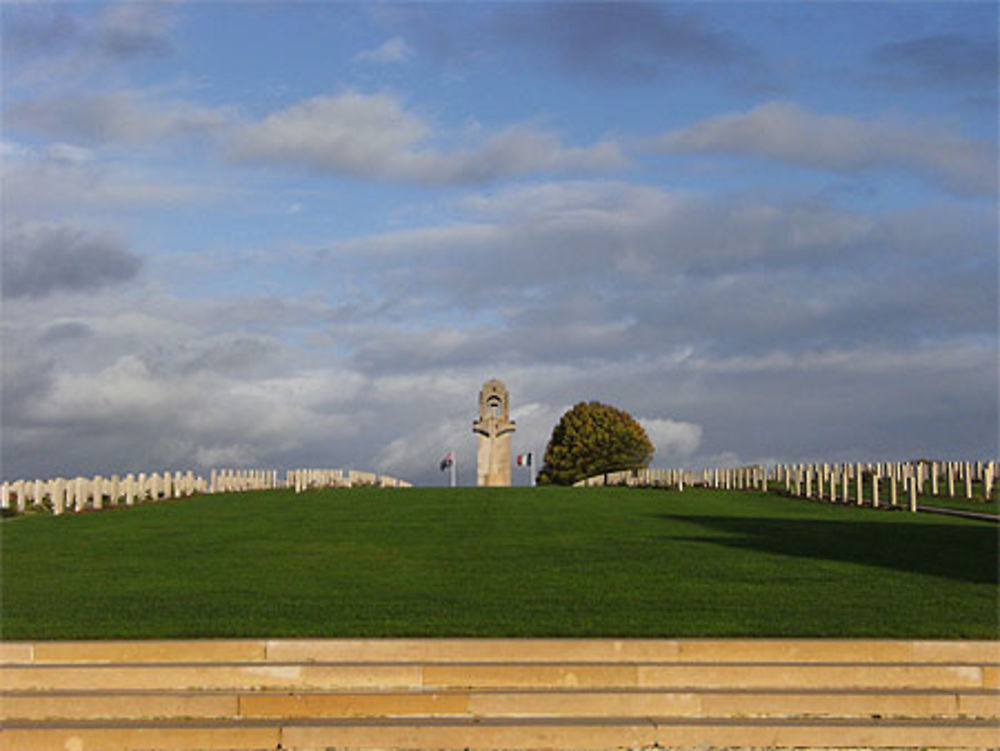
(235,455)
(48,182)
(373,136)
(787,132)
(69,153)
(417,451)
(394,50)
(674,441)
(126,116)
(52,45)
(555,232)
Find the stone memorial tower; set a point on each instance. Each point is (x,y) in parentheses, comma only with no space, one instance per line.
(494,427)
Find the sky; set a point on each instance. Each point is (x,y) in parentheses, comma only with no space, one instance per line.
(305,234)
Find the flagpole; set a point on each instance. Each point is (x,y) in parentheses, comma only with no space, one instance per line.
(454,461)
(531,468)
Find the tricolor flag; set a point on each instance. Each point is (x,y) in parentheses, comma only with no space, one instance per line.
(448,460)
(525,460)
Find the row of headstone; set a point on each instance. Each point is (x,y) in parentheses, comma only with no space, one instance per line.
(735,478)
(237,480)
(307,479)
(642,478)
(62,495)
(80,493)
(888,483)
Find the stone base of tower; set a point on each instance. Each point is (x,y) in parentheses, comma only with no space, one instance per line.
(493,462)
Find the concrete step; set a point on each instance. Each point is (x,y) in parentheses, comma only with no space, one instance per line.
(490,733)
(495,693)
(135,705)
(503,650)
(272,676)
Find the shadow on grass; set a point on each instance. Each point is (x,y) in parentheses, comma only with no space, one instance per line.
(966,552)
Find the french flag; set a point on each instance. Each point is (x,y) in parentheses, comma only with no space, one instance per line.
(525,460)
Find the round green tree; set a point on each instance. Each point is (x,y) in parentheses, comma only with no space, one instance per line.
(591,439)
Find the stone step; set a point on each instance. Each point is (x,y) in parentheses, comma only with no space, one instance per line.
(134,705)
(503,650)
(298,676)
(489,733)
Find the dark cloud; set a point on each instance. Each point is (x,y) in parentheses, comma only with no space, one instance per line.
(68,331)
(604,270)
(123,31)
(944,59)
(42,258)
(132,30)
(37,30)
(620,41)
(609,42)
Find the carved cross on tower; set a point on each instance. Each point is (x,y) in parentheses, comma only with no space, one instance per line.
(493,427)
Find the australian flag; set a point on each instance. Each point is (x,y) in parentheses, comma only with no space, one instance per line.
(448,460)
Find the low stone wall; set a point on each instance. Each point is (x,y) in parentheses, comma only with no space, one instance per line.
(62,495)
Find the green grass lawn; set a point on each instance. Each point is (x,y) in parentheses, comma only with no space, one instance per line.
(497,562)
(977,503)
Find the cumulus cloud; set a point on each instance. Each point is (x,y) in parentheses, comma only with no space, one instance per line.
(621,41)
(609,43)
(41,258)
(394,50)
(53,44)
(673,440)
(373,136)
(130,30)
(943,59)
(632,269)
(105,387)
(120,31)
(786,132)
(114,389)
(413,453)
(117,117)
(47,182)
(596,228)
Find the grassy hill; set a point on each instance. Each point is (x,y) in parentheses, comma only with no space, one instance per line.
(497,562)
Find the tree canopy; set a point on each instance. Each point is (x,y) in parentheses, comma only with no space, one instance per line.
(593,438)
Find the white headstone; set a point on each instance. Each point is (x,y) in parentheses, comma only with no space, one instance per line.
(58,496)
(80,490)
(97,488)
